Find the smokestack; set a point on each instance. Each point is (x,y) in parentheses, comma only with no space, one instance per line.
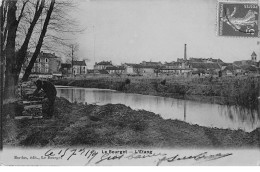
(185,52)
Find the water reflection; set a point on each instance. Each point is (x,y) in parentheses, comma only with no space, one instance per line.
(194,112)
(246,117)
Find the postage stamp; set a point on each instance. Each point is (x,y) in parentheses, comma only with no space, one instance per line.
(239,19)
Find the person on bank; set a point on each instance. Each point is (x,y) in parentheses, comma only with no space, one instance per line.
(50,93)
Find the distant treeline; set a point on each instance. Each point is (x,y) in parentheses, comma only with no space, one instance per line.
(242,91)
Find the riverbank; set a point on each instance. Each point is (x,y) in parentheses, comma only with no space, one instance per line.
(116,126)
(242,90)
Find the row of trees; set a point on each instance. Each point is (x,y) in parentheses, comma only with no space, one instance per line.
(31,25)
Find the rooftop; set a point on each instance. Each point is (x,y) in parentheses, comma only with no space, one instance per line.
(43,55)
(65,65)
(205,65)
(104,63)
(232,67)
(79,63)
(253,54)
(115,68)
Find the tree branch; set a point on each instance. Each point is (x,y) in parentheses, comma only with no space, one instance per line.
(40,42)
(23,50)
(21,13)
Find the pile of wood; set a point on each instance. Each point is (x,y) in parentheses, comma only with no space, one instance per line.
(32,105)
(32,110)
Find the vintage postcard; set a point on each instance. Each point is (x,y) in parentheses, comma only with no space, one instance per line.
(130,82)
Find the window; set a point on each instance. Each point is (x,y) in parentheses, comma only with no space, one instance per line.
(39,60)
(46,60)
(39,68)
(46,68)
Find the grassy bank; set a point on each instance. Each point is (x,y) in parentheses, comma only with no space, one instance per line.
(116,126)
(242,90)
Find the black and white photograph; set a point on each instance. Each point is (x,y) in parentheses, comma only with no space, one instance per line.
(130,82)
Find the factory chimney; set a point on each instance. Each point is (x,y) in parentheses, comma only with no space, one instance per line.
(185,53)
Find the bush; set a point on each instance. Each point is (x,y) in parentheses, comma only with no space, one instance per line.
(163,82)
(127,81)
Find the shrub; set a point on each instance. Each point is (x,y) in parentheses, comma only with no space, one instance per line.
(127,81)
(163,82)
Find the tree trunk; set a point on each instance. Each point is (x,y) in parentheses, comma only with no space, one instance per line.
(39,44)
(11,75)
(21,54)
(1,74)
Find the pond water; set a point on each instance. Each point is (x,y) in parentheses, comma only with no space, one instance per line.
(194,112)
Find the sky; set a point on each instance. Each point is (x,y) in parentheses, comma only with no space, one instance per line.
(133,31)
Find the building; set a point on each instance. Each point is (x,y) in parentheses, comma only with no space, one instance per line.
(253,57)
(205,60)
(171,68)
(133,69)
(79,67)
(231,70)
(150,63)
(101,72)
(249,69)
(115,70)
(46,63)
(205,68)
(172,65)
(224,65)
(129,68)
(65,69)
(252,61)
(102,65)
(243,62)
(147,70)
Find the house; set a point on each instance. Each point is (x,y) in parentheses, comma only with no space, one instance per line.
(211,60)
(79,67)
(46,63)
(172,65)
(209,68)
(102,65)
(171,68)
(252,69)
(129,68)
(147,70)
(243,62)
(224,65)
(132,69)
(90,71)
(204,60)
(231,70)
(115,69)
(103,72)
(65,69)
(150,63)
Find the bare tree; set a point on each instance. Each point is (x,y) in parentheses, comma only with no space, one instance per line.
(9,30)
(22,52)
(9,51)
(22,30)
(56,38)
(40,42)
